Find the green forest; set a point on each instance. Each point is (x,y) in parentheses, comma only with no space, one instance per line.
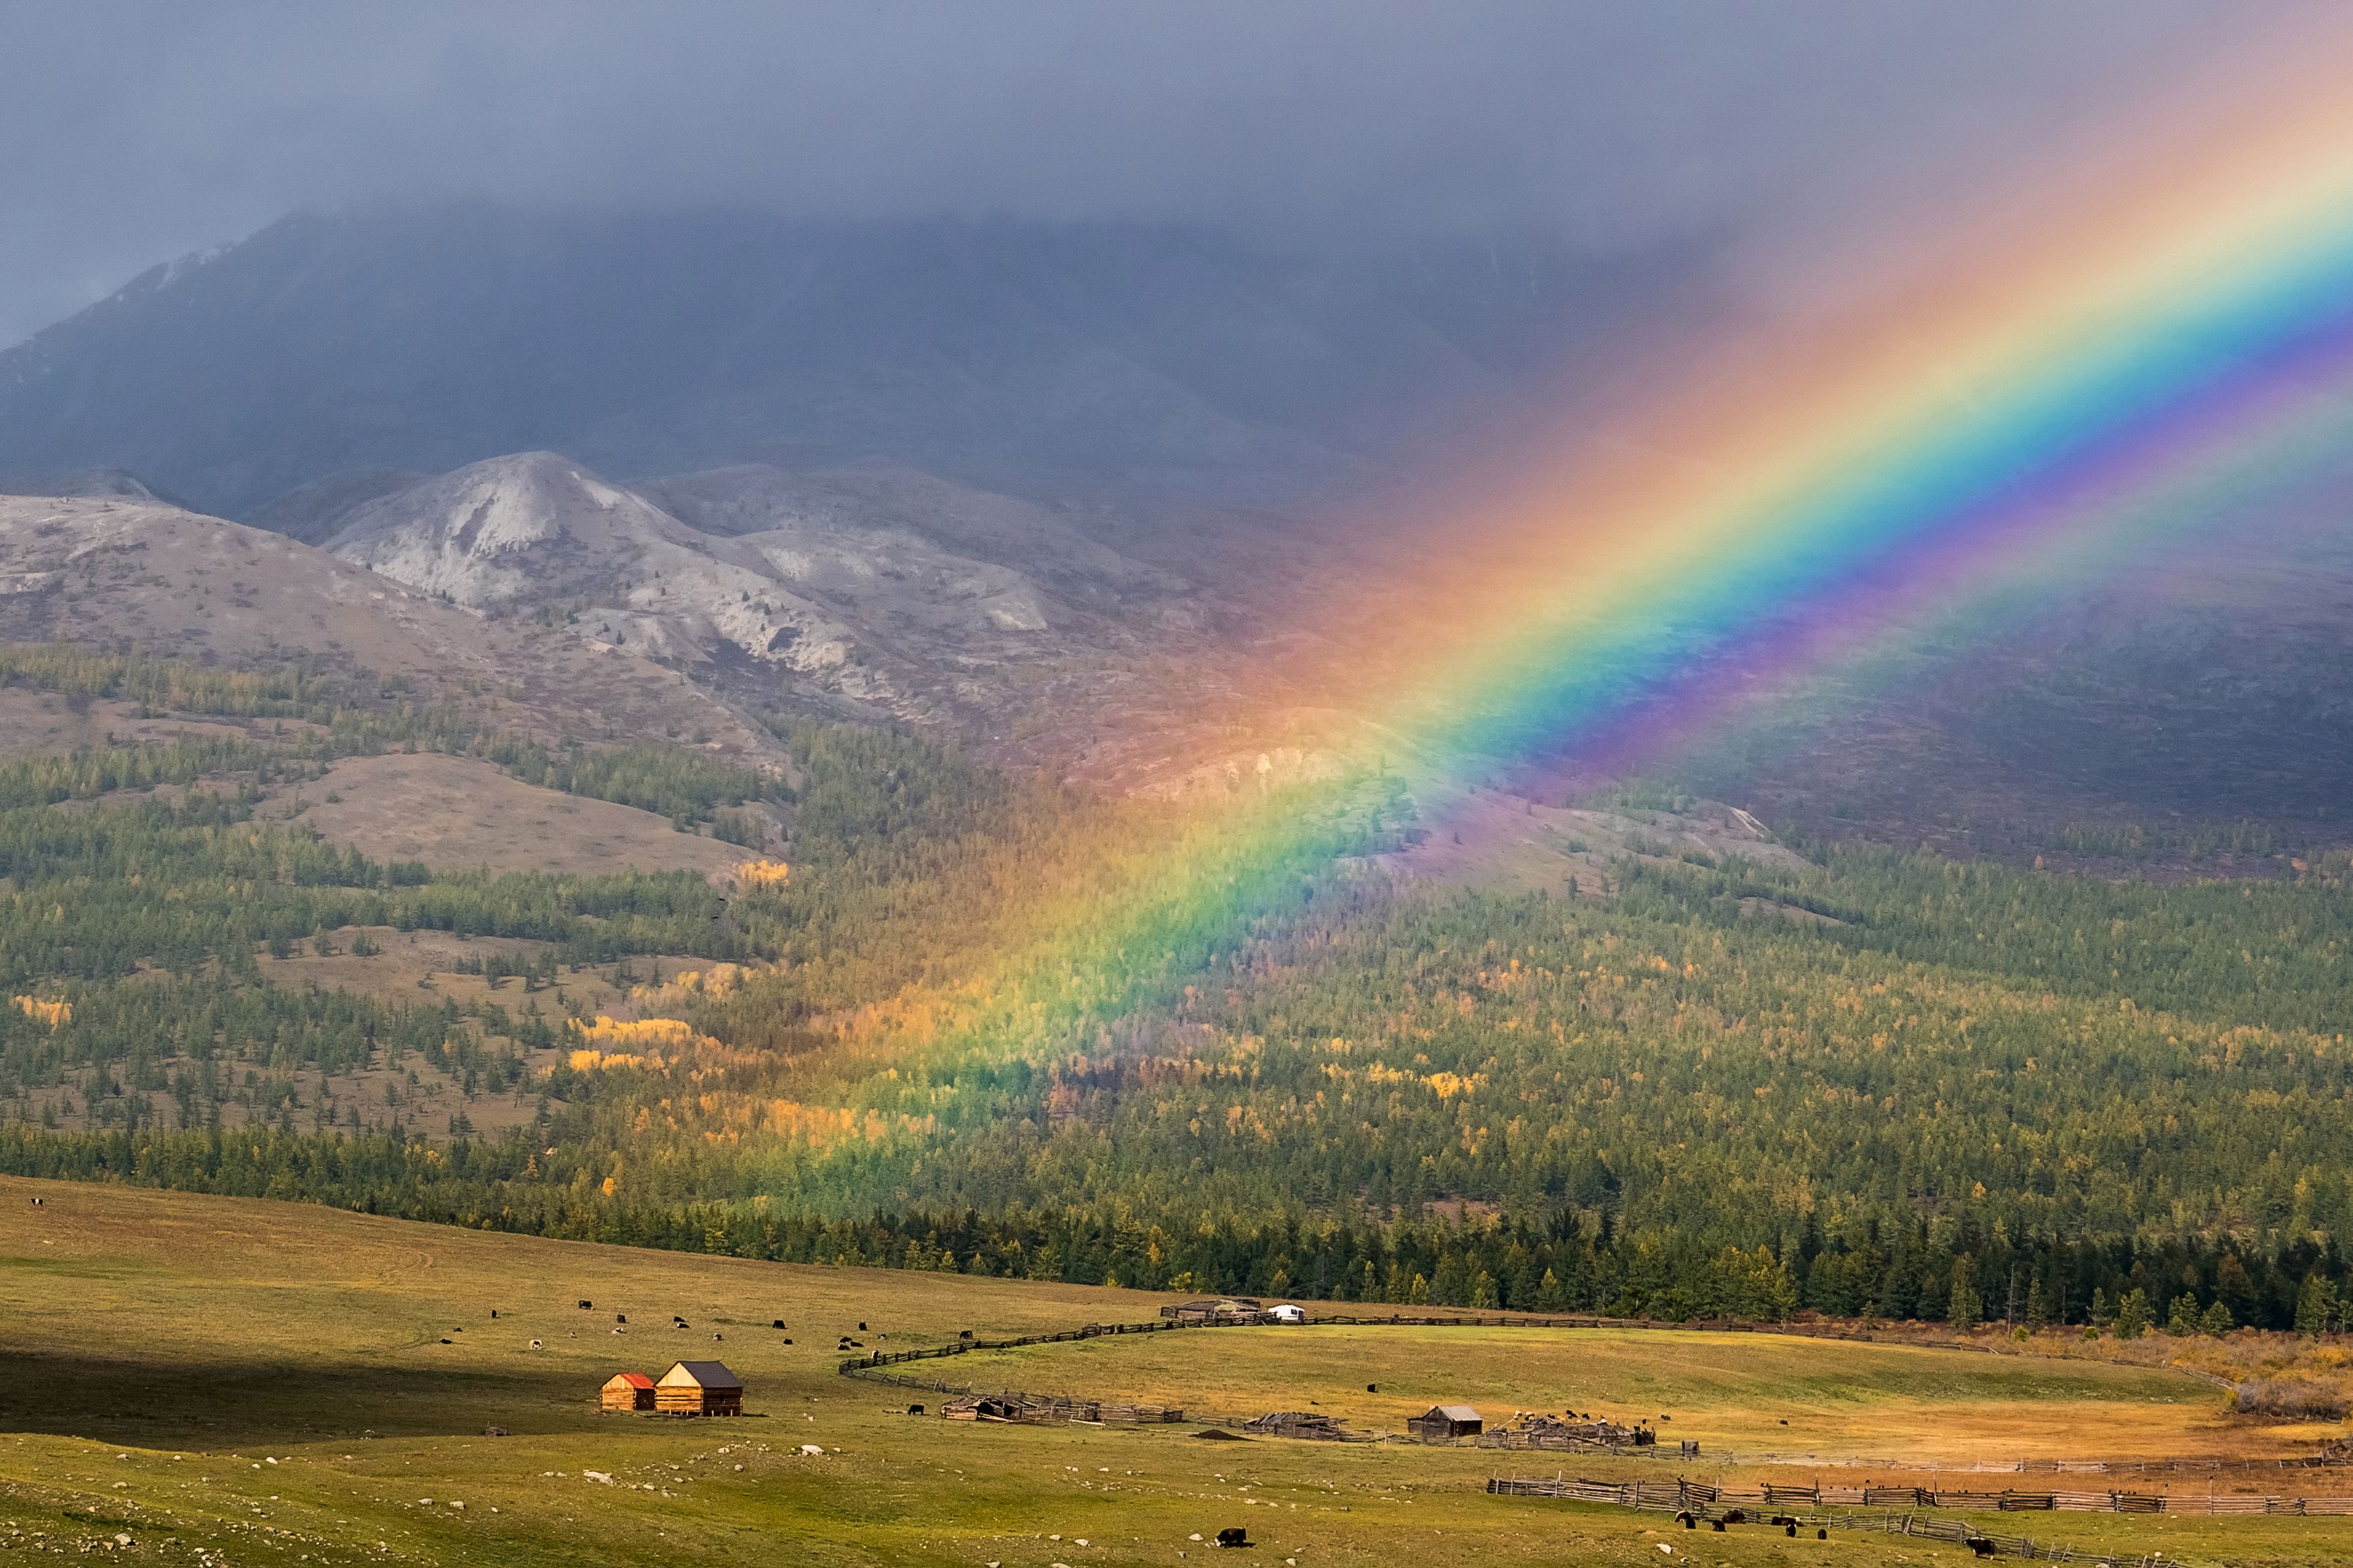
(992,1026)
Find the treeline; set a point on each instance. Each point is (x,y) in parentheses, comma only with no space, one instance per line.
(297,691)
(1963,1277)
(683,785)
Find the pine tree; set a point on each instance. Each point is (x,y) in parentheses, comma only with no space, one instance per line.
(2216,1320)
(2132,1314)
(1965,1307)
(2038,1311)
(1550,1297)
(2181,1322)
(2315,1305)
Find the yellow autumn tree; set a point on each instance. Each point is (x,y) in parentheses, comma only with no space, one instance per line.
(51,1012)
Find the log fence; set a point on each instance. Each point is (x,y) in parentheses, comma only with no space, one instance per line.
(1704,1500)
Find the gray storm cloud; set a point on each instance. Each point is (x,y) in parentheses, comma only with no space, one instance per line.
(138,131)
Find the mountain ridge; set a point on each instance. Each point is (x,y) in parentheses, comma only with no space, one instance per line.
(1162,360)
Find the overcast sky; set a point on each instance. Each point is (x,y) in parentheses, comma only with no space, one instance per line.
(134,132)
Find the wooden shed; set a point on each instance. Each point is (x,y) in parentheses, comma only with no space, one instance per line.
(1446,1421)
(699,1388)
(629,1391)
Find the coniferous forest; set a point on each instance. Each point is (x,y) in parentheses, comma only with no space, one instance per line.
(991,1026)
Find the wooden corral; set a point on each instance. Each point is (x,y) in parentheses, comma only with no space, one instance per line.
(1553,1432)
(629,1391)
(1011,1405)
(699,1388)
(1306,1425)
(1215,1310)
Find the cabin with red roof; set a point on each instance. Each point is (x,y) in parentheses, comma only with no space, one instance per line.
(629,1391)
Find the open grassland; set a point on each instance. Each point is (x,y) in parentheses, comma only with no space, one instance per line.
(1750,1395)
(461,812)
(239,1381)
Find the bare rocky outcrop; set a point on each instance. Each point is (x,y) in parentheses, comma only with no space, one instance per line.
(123,571)
(781,589)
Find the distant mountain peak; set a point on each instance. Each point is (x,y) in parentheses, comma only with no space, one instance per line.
(1013,354)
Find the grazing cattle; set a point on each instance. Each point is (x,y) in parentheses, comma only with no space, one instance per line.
(585,1306)
(719,1336)
(1233,1535)
(621,1317)
(777,1324)
(534,1344)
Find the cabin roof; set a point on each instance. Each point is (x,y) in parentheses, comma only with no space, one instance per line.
(700,1374)
(1455,1412)
(634,1379)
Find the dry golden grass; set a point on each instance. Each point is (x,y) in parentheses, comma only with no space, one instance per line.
(1754,1397)
(457,814)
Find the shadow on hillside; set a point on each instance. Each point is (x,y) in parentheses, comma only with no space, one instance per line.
(159,1403)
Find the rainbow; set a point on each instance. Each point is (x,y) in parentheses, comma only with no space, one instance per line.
(2160,321)
(2166,323)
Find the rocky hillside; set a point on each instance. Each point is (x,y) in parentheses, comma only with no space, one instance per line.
(782,590)
(106,571)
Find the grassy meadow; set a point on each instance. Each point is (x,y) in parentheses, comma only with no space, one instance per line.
(234,1382)
(1752,1397)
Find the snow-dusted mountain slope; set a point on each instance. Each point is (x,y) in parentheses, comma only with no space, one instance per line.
(788,589)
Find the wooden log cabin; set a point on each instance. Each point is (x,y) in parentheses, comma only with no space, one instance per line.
(699,1388)
(629,1391)
(1444,1422)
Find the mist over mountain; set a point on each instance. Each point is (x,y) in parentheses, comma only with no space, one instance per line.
(1159,359)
